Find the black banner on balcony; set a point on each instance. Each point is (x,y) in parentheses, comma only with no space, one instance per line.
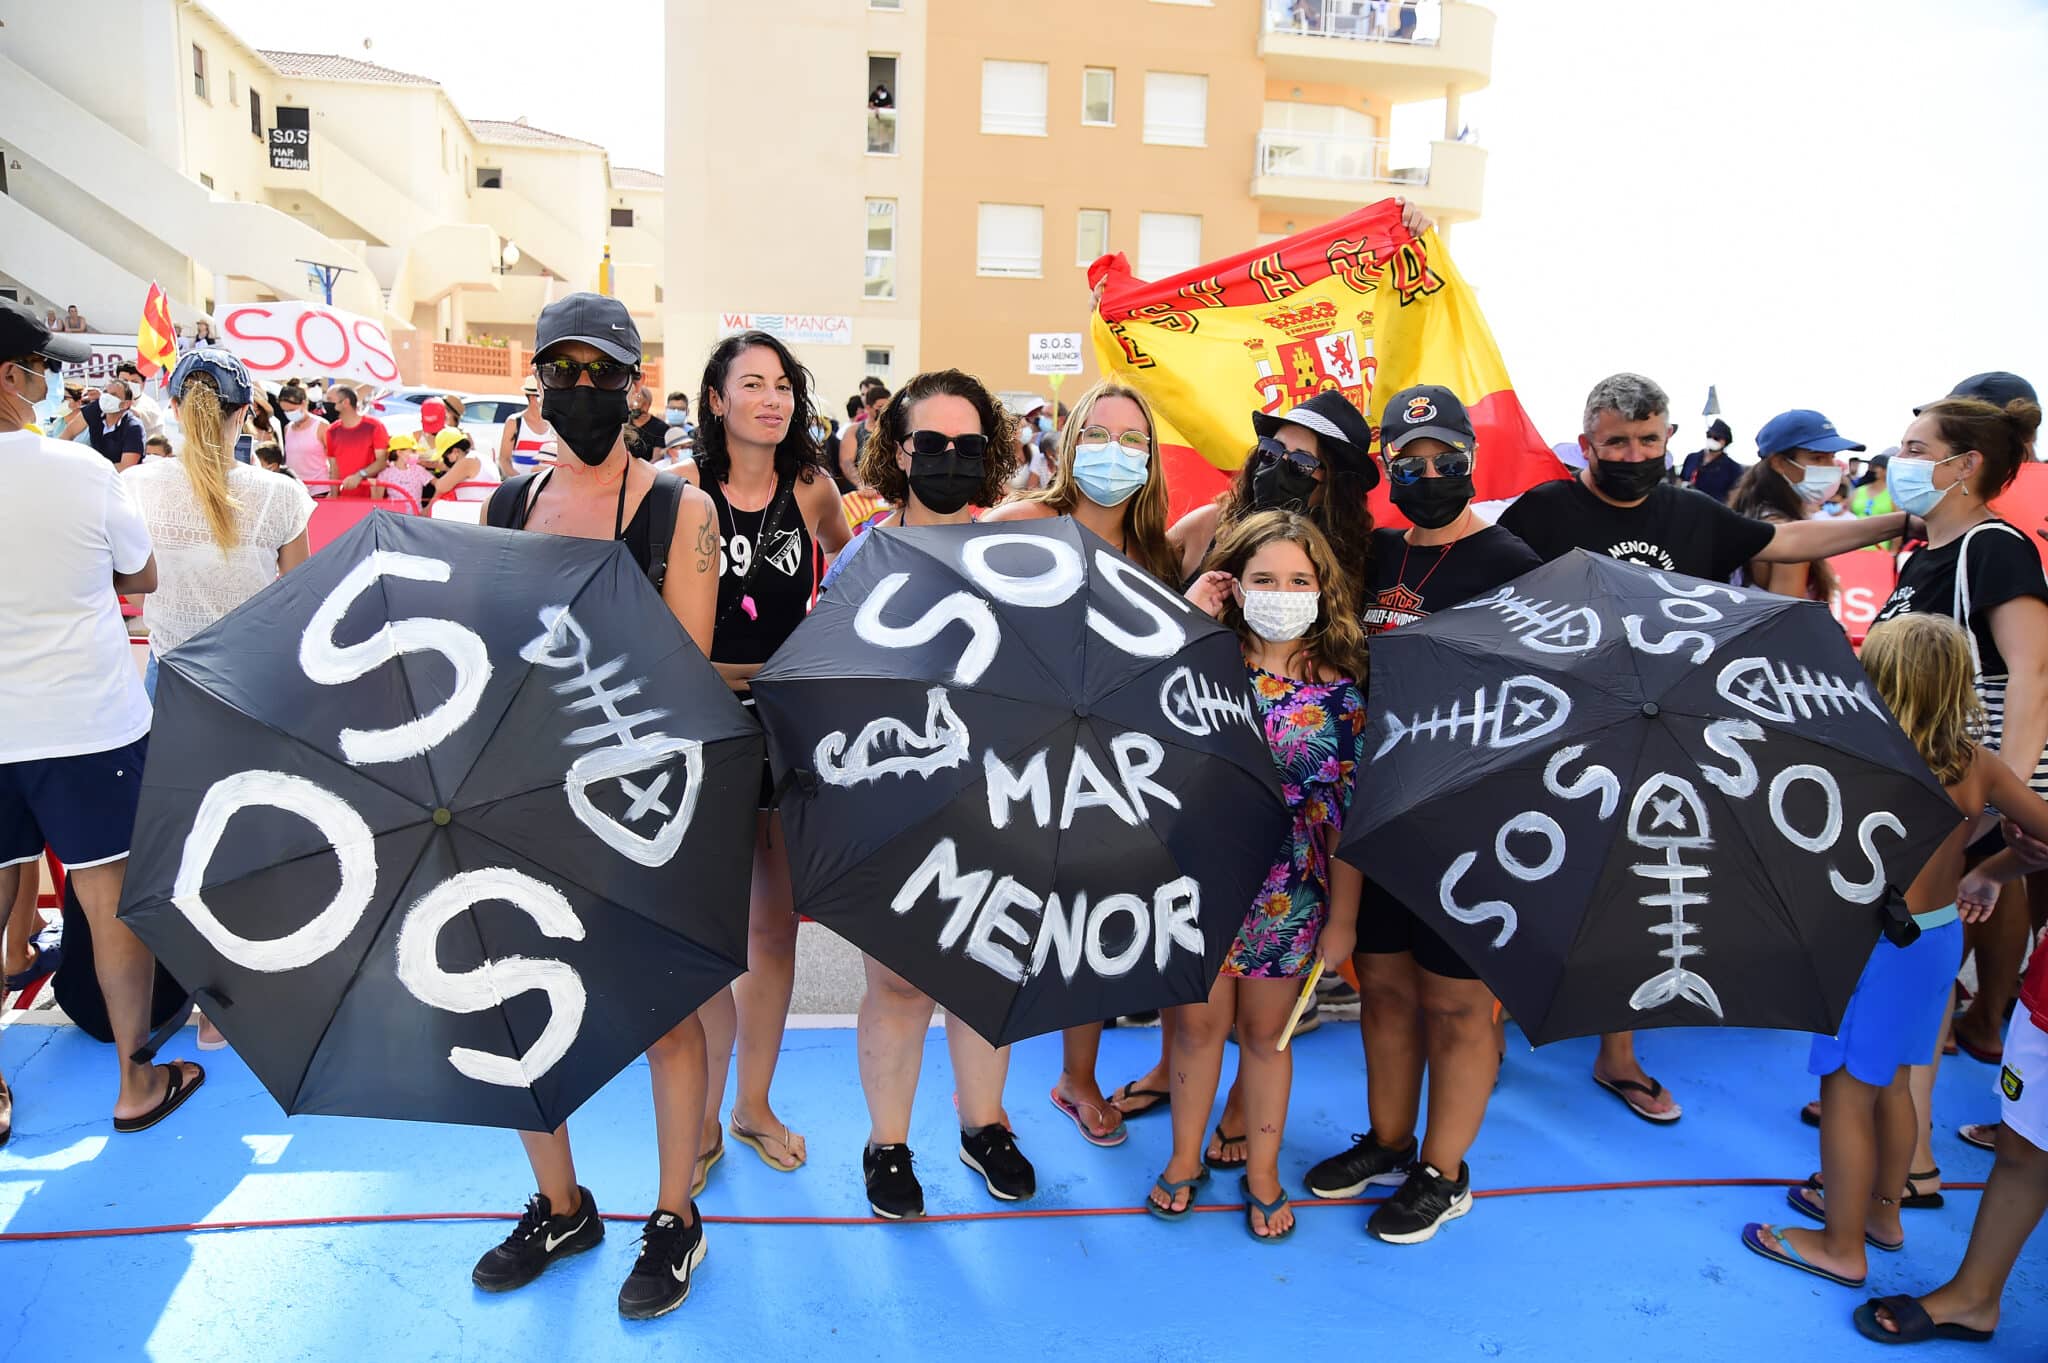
(291,140)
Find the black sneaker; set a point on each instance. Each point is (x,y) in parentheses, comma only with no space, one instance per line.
(669,1253)
(992,1152)
(1367,1161)
(893,1191)
(538,1240)
(1422,1205)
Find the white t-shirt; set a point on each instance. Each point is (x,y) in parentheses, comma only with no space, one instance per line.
(67,682)
(196,581)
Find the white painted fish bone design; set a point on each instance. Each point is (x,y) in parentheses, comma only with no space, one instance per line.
(1777,691)
(1525,709)
(1667,802)
(1545,626)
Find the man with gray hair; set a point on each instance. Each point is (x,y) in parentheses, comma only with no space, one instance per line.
(1623,504)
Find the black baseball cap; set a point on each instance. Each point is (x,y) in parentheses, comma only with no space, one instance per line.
(1427,409)
(24,333)
(592,318)
(1996,387)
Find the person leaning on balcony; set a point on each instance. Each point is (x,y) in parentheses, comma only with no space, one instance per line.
(73,321)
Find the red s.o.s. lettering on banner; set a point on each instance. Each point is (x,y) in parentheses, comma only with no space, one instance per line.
(246,324)
(338,336)
(375,356)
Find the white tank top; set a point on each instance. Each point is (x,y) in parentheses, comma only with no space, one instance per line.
(486,472)
(528,448)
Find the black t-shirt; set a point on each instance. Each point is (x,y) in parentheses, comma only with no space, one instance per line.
(653,433)
(1411,581)
(2003,567)
(1674,528)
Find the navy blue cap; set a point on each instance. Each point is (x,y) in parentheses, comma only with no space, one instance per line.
(230,377)
(593,318)
(1801,429)
(1997,388)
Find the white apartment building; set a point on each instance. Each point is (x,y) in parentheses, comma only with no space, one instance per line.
(151,158)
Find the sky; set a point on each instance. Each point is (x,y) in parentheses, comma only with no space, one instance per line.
(1807,203)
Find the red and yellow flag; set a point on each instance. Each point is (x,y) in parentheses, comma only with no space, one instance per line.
(156,345)
(1357,305)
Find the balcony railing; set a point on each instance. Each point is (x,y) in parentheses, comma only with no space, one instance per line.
(1324,156)
(1379,21)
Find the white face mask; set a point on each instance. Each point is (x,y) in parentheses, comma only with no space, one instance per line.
(109,403)
(1818,482)
(1278,617)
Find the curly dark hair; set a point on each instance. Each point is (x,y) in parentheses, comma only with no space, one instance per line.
(1341,514)
(878,466)
(798,457)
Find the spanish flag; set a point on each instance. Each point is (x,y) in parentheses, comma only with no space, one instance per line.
(1357,305)
(156,345)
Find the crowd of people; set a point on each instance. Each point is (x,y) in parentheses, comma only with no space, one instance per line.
(743,519)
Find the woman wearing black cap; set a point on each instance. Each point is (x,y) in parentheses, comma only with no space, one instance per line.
(778,511)
(1421,1006)
(588,354)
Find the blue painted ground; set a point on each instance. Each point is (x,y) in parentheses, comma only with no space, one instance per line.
(1623,1275)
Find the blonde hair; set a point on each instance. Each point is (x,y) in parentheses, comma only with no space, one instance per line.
(206,457)
(1921,666)
(1336,642)
(1145,512)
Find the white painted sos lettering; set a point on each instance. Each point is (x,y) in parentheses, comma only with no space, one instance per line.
(630,753)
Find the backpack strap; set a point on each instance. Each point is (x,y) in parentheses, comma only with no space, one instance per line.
(667,495)
(505,498)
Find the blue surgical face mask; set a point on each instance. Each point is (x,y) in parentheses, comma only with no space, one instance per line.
(1045,425)
(1911,482)
(1817,483)
(1108,473)
(675,416)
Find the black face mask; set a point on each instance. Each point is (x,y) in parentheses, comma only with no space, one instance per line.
(945,482)
(1432,503)
(1627,482)
(587,419)
(1277,485)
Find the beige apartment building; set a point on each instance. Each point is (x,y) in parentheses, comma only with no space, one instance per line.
(153,159)
(945,223)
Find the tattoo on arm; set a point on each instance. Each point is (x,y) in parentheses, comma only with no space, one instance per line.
(707,544)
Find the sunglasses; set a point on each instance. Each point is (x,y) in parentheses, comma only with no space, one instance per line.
(1409,468)
(971,446)
(1273,451)
(1130,440)
(609,375)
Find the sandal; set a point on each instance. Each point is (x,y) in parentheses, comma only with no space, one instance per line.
(1116,1135)
(1622,1088)
(176,1091)
(44,962)
(1752,1236)
(1172,1187)
(1983,1135)
(704,1163)
(1981,1054)
(757,1142)
(1267,1210)
(1912,1201)
(1154,1099)
(1915,1326)
(1219,1162)
(1801,1200)
(6,1112)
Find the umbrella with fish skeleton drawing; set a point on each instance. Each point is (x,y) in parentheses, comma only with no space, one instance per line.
(1632,799)
(1021,774)
(447,824)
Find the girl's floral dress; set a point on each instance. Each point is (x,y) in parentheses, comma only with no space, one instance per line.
(1313,729)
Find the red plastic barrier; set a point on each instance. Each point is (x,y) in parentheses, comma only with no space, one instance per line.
(1867,577)
(333,517)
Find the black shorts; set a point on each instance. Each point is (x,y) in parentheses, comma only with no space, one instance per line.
(1386,927)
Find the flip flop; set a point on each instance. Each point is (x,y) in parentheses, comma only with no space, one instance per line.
(1983,1135)
(1154,1099)
(1810,1114)
(1267,1210)
(756,1141)
(1979,1053)
(42,964)
(1117,1135)
(1621,1088)
(1912,1201)
(1221,1163)
(1752,1237)
(1802,1202)
(175,1095)
(1172,1188)
(1915,1325)
(704,1163)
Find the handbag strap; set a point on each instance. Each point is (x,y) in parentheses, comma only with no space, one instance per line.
(769,525)
(1961,605)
